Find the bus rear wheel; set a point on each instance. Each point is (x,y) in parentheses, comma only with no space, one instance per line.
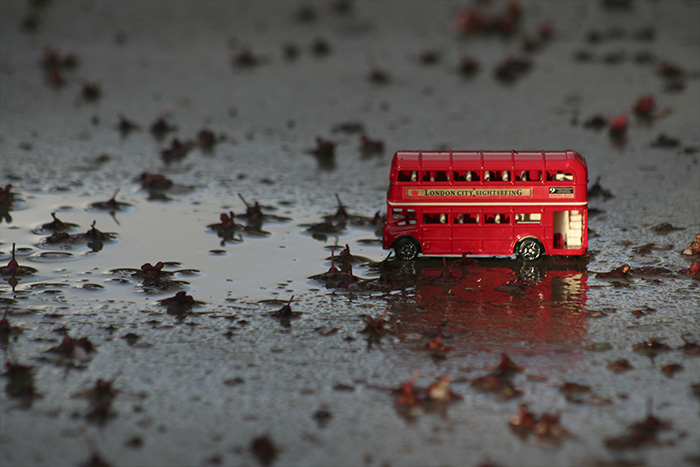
(406,248)
(529,249)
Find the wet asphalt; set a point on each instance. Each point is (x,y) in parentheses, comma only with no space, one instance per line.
(103,361)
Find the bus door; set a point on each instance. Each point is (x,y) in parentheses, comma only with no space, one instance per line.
(436,235)
(466,231)
(568,229)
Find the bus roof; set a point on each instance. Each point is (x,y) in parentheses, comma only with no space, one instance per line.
(493,160)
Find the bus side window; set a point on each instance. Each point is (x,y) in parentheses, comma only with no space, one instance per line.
(528,218)
(435,218)
(398,213)
(529,176)
(408,176)
(560,176)
(404,216)
(496,176)
(466,176)
(496,218)
(466,218)
(435,176)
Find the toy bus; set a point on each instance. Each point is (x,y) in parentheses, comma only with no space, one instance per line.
(526,203)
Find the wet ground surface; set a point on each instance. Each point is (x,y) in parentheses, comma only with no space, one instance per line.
(104,361)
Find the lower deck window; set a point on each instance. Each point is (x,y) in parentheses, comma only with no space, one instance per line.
(435,218)
(496,218)
(404,216)
(528,218)
(466,218)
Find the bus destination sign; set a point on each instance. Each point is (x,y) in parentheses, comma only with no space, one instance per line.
(467,192)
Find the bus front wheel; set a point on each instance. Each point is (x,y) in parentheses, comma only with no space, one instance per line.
(530,249)
(406,248)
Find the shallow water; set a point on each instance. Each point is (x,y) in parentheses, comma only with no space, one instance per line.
(198,387)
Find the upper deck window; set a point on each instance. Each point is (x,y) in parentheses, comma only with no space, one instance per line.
(529,176)
(435,176)
(408,176)
(466,176)
(497,176)
(559,176)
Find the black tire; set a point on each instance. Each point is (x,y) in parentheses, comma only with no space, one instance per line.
(529,249)
(406,248)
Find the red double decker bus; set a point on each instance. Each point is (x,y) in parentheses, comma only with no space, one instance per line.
(487,203)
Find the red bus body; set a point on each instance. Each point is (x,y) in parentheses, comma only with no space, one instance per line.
(487,203)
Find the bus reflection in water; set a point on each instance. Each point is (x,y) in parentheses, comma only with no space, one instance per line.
(496,307)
